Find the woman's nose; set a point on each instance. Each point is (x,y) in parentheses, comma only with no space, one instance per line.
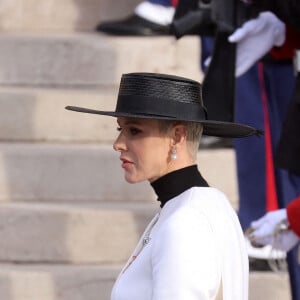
(119,144)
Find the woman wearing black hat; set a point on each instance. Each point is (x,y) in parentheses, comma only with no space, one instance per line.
(194,246)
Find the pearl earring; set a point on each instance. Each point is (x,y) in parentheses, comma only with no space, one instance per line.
(174,154)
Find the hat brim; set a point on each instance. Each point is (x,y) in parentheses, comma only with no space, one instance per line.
(210,128)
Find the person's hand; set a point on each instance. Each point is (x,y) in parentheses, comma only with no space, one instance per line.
(255,39)
(271,230)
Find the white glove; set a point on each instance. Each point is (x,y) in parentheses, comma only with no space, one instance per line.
(268,231)
(255,39)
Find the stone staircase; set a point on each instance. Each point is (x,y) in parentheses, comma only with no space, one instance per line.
(68,221)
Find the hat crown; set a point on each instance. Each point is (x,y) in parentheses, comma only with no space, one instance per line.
(167,97)
(175,88)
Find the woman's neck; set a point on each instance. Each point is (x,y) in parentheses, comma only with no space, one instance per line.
(176,182)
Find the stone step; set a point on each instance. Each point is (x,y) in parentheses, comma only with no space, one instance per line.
(94,282)
(49,233)
(65,173)
(56,15)
(269,285)
(89,60)
(90,173)
(39,115)
(56,282)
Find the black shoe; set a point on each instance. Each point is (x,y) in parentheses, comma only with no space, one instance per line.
(133,26)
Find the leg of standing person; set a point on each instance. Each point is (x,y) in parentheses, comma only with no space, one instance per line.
(250,153)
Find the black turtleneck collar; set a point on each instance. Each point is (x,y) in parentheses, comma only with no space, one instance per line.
(176,182)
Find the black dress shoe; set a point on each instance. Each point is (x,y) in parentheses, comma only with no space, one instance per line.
(133,26)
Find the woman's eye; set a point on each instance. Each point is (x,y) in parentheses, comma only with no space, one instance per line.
(134,131)
(129,131)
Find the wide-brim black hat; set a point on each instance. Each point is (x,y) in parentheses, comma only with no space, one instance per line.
(167,97)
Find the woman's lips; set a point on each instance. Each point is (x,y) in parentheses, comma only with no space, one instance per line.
(126,163)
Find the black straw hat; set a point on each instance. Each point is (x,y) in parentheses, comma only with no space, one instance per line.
(167,97)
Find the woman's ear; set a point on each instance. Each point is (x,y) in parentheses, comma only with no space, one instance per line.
(179,134)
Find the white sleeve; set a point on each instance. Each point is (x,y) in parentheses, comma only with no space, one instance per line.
(185,259)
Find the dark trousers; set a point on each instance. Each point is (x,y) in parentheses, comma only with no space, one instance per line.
(250,152)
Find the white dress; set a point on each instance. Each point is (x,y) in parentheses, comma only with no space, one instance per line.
(195,247)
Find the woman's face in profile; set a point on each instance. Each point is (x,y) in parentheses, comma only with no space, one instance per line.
(144,149)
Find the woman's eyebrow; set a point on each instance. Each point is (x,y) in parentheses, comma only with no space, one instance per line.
(129,121)
(132,122)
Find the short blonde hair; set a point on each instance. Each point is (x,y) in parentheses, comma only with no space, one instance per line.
(194,133)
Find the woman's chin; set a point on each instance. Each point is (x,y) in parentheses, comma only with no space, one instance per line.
(131,179)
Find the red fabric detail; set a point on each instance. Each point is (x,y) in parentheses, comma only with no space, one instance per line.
(271,194)
(292,42)
(293,215)
(174,3)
